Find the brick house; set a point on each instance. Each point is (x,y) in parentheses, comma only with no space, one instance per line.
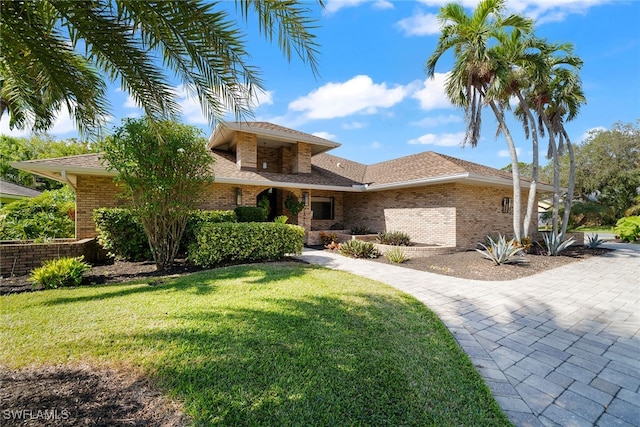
(434,198)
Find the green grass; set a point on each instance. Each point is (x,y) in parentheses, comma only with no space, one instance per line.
(264,344)
(594,229)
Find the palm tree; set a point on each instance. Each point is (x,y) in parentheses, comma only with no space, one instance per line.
(51,51)
(479,75)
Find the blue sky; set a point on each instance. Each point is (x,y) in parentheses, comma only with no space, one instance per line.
(372,94)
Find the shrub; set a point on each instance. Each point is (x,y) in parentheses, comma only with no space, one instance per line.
(502,251)
(359,249)
(281,219)
(395,255)
(554,244)
(251,214)
(360,229)
(121,234)
(47,216)
(327,238)
(198,218)
(394,238)
(61,272)
(293,205)
(628,228)
(593,241)
(244,242)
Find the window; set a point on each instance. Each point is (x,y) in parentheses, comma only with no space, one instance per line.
(322,207)
(506,205)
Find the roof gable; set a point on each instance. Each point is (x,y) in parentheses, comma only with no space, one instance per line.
(11,189)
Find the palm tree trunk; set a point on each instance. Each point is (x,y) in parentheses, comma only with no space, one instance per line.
(556,171)
(531,200)
(572,183)
(515,171)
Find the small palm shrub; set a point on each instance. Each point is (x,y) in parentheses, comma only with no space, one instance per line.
(61,272)
(628,228)
(593,242)
(281,219)
(554,244)
(394,238)
(359,249)
(395,255)
(502,251)
(360,230)
(328,238)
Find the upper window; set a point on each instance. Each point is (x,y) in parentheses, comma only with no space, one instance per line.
(506,205)
(322,207)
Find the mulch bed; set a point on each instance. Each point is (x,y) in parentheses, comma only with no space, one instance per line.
(83,396)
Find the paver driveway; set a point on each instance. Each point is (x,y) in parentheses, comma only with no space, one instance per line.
(557,348)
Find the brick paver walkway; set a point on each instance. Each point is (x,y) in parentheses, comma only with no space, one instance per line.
(557,348)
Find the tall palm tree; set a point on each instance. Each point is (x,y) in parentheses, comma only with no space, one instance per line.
(51,52)
(557,96)
(478,76)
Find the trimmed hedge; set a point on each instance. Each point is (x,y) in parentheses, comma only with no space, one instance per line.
(244,242)
(251,214)
(122,235)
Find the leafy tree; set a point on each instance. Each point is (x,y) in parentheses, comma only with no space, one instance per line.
(164,167)
(51,52)
(36,147)
(47,216)
(607,177)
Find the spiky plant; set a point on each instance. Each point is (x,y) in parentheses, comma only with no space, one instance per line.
(555,243)
(502,251)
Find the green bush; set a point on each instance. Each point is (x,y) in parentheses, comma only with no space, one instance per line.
(394,238)
(395,255)
(47,216)
(61,272)
(251,214)
(217,244)
(198,219)
(121,234)
(359,249)
(628,228)
(360,230)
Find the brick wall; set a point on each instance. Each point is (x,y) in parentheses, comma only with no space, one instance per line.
(94,192)
(480,214)
(246,151)
(20,258)
(301,158)
(426,214)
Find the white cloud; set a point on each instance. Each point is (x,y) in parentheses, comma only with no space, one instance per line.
(441,140)
(541,10)
(505,153)
(376,145)
(130,102)
(325,135)
(62,126)
(433,96)
(420,24)
(438,120)
(332,6)
(357,95)
(587,134)
(354,125)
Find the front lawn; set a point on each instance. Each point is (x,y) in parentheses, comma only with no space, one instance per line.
(263,344)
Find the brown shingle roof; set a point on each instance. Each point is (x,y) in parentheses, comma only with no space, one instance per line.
(11,189)
(327,170)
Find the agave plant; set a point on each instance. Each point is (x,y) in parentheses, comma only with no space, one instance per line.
(593,242)
(555,243)
(502,251)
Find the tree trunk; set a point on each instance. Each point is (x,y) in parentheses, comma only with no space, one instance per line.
(572,183)
(556,172)
(531,200)
(515,171)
